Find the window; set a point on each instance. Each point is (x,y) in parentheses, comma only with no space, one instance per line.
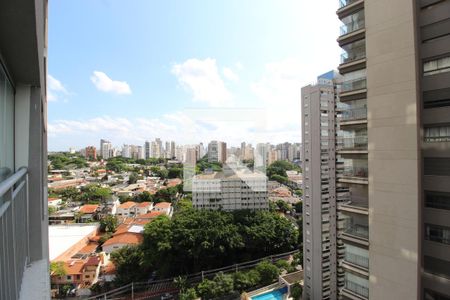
(436,66)
(6,126)
(437,200)
(437,134)
(436,233)
(69,277)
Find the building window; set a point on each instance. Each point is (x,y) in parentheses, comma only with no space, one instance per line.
(69,277)
(436,233)
(437,200)
(436,66)
(6,126)
(437,134)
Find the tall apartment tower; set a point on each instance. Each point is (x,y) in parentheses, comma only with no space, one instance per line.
(147,150)
(105,149)
(322,248)
(394,148)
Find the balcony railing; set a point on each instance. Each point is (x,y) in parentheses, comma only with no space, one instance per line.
(356,259)
(361,172)
(437,139)
(352,26)
(344,3)
(353,114)
(14,230)
(352,143)
(358,230)
(353,85)
(353,54)
(357,288)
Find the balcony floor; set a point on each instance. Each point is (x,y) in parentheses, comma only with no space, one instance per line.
(36,282)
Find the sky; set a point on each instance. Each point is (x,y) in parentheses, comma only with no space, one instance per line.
(184,70)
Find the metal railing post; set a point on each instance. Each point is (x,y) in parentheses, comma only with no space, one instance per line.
(132,290)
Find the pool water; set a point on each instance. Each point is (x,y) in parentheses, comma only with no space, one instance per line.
(273,295)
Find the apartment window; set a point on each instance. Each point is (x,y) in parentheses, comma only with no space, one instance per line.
(437,134)
(437,200)
(436,266)
(357,284)
(436,66)
(436,233)
(6,126)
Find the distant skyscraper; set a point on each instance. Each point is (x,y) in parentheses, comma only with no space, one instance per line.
(105,149)
(147,149)
(172,149)
(91,153)
(126,152)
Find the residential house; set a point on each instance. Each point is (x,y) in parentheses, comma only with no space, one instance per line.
(127,209)
(54,202)
(143,208)
(165,207)
(91,270)
(88,212)
(121,240)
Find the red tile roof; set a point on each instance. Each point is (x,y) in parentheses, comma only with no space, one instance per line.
(144,204)
(125,238)
(127,204)
(150,215)
(88,208)
(92,261)
(163,205)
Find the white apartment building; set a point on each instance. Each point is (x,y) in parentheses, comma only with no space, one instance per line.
(230,190)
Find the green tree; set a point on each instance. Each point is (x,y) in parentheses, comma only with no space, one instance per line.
(189,294)
(175,173)
(133,178)
(129,264)
(57,268)
(143,197)
(51,210)
(298,207)
(109,223)
(246,280)
(267,272)
(283,206)
(296,291)
(115,166)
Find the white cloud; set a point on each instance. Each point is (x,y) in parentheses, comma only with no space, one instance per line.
(202,78)
(105,84)
(55,89)
(229,74)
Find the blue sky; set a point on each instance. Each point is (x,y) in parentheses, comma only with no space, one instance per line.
(184,70)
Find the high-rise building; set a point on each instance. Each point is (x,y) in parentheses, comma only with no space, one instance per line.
(147,149)
(105,149)
(230,190)
(321,245)
(24,265)
(392,150)
(217,151)
(90,153)
(126,151)
(172,149)
(261,157)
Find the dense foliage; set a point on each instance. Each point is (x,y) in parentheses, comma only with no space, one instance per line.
(109,223)
(203,165)
(197,240)
(64,160)
(129,263)
(277,170)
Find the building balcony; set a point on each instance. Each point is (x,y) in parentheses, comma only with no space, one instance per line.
(354,57)
(357,174)
(348,293)
(355,144)
(353,116)
(353,85)
(347,7)
(358,230)
(23,274)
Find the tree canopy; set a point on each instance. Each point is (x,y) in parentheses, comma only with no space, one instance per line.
(197,240)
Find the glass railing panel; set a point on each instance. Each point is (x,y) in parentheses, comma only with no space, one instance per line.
(352,26)
(358,230)
(344,3)
(352,143)
(359,113)
(355,84)
(353,54)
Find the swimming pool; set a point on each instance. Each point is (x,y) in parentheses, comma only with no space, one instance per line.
(272,295)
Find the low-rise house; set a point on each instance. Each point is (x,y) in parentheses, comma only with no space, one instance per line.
(127,209)
(121,240)
(91,270)
(88,212)
(143,208)
(73,271)
(54,202)
(164,207)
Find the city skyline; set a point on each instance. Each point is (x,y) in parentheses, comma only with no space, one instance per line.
(149,84)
